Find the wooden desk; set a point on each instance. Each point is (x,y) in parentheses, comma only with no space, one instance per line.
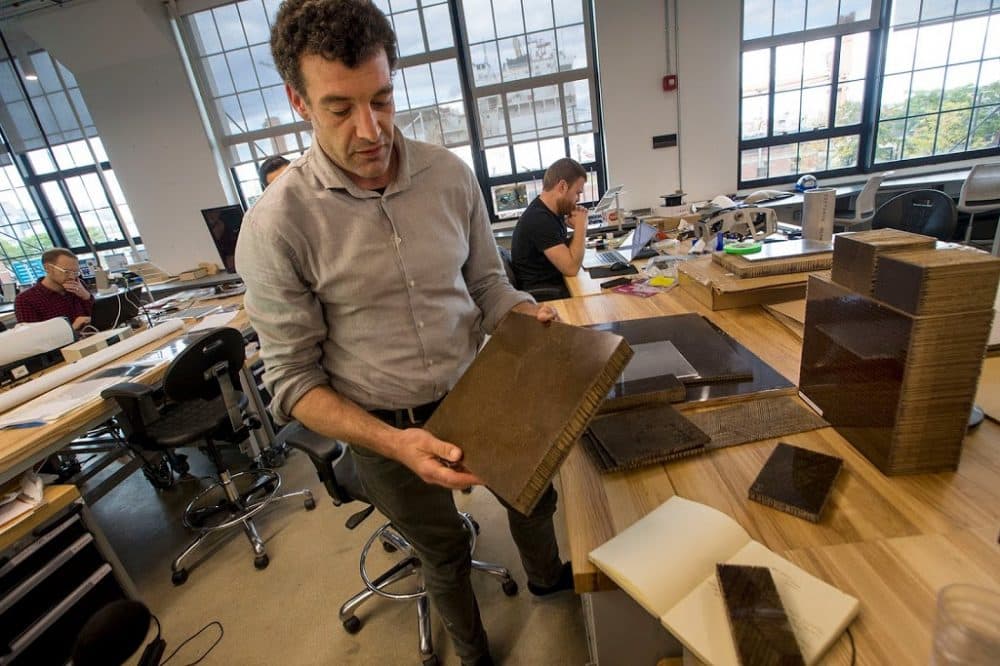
(868,511)
(23,447)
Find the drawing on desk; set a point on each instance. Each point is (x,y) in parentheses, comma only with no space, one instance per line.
(682,589)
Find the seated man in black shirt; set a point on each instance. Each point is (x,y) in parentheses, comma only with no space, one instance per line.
(541,251)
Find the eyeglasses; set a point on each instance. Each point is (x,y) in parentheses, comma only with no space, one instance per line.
(64,271)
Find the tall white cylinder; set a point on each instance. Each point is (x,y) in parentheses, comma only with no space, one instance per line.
(817,213)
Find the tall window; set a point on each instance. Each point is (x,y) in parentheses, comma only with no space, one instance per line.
(50,190)
(832,87)
(529,67)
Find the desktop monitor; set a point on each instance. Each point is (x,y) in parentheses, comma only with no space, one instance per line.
(224,225)
(115,310)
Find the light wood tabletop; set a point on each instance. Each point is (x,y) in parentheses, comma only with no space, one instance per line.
(912,518)
(21,447)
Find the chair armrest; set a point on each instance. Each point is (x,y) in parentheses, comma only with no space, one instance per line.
(132,390)
(138,409)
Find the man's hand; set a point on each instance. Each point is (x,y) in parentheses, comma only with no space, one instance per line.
(577,220)
(433,460)
(74,287)
(540,311)
(80,322)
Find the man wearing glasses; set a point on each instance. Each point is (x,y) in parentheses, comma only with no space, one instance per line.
(59,294)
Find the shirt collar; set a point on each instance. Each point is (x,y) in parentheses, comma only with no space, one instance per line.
(412,160)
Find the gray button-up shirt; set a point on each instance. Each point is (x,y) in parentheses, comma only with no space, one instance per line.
(385,298)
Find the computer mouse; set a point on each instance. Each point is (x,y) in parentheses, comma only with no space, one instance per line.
(618,266)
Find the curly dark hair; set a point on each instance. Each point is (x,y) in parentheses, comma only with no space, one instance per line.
(350,31)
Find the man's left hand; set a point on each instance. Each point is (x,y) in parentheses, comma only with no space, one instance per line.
(540,311)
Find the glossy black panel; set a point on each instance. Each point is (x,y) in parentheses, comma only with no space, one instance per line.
(761,630)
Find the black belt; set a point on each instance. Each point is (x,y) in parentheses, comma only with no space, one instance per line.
(401,418)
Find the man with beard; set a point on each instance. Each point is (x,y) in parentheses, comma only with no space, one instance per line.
(541,251)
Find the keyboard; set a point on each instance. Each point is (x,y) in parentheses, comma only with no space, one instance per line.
(611,256)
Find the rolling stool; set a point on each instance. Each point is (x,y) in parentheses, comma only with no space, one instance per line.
(336,470)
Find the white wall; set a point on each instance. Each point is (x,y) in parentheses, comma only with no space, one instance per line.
(130,73)
(631,50)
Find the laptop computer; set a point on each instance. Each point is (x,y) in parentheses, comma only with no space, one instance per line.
(632,247)
(115,310)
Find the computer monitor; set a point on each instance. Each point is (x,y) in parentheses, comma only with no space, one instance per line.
(115,310)
(224,225)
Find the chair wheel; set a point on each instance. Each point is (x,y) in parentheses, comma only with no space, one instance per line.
(261,561)
(310,504)
(431,660)
(352,625)
(509,587)
(179,577)
(388,547)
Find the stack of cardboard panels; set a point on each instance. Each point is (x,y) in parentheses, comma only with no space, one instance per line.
(894,344)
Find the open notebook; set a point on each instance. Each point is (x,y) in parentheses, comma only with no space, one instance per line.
(666,562)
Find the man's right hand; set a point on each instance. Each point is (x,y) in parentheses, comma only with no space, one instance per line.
(80,322)
(433,460)
(77,289)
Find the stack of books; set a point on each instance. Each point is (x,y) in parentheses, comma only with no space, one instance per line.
(894,366)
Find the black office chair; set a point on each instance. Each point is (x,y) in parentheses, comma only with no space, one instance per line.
(539,293)
(204,405)
(335,467)
(927,212)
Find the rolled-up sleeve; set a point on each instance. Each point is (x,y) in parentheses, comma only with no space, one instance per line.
(285,314)
(483,271)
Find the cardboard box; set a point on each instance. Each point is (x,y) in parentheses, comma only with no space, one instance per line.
(715,288)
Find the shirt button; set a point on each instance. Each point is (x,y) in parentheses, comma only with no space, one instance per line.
(430,363)
(412,283)
(420,324)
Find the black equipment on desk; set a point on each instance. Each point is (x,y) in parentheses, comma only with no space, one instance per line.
(115,310)
(224,224)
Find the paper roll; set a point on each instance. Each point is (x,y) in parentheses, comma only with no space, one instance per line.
(817,213)
(45,383)
(34,338)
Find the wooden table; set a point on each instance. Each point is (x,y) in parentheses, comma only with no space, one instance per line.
(913,533)
(21,448)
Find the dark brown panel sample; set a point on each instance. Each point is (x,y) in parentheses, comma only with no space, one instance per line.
(761,630)
(525,401)
(643,436)
(855,255)
(796,480)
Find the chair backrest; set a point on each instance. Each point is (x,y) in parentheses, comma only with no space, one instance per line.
(981,189)
(927,212)
(864,206)
(508,265)
(196,372)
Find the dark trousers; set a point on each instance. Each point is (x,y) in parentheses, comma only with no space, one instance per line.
(426,515)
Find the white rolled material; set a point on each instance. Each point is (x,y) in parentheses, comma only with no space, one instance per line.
(27,340)
(817,213)
(71,371)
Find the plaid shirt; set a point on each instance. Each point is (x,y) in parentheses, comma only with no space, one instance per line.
(39,303)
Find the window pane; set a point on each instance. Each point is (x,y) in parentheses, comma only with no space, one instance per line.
(817,62)
(454,127)
(514,59)
(572,48)
(756,18)
(422,125)
(849,99)
(485,64)
(789,16)
(756,72)
(889,146)
(241,66)
(279,112)
(581,148)
(419,86)
(953,132)
(821,13)
(786,112)
(985,128)
(992,46)
(492,121)
(217,74)
(409,37)
(782,161)
(206,36)
(507,17)
(566,11)
(843,152)
(854,10)
(537,15)
(254,110)
(754,117)
(920,133)
(542,53)
(815,113)
(895,95)
(447,84)
(967,40)
(551,150)
(520,111)
(753,164)
(526,157)
(960,86)
(989,83)
(925,95)
(899,54)
(267,72)
(437,23)
(227,19)
(498,161)
(478,20)
(576,95)
(254,21)
(465,153)
(853,56)
(812,156)
(788,67)
(930,46)
(933,9)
